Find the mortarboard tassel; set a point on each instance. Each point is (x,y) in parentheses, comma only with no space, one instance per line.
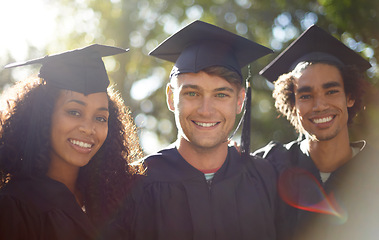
(245,134)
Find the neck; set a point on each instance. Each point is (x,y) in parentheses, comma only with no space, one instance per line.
(66,176)
(203,159)
(331,154)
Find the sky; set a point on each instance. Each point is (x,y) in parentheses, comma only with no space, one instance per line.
(23,22)
(33,22)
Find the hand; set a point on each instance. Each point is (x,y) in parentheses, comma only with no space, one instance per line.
(235,144)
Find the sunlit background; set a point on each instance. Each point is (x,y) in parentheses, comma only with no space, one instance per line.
(31,29)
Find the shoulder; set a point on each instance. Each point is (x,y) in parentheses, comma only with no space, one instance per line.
(17,219)
(262,166)
(166,153)
(264,170)
(164,160)
(168,165)
(367,152)
(261,171)
(16,204)
(159,161)
(13,202)
(280,155)
(43,203)
(18,189)
(253,163)
(38,193)
(24,193)
(268,149)
(365,147)
(274,148)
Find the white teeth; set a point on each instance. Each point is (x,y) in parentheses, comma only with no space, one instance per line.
(81,144)
(322,120)
(205,124)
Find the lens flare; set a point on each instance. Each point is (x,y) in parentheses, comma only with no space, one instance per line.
(300,189)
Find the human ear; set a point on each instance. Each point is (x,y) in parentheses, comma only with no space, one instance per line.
(350,101)
(170,97)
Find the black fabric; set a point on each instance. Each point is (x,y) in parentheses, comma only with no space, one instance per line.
(314,45)
(354,187)
(200,45)
(80,70)
(42,209)
(175,202)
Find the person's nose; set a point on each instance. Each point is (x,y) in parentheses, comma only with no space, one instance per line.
(87,127)
(320,103)
(206,106)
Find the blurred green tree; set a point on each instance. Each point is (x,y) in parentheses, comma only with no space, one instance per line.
(142,24)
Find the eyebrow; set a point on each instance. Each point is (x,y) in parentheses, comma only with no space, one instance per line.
(84,104)
(331,84)
(228,89)
(304,89)
(190,86)
(324,86)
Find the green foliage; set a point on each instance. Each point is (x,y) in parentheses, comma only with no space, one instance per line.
(142,24)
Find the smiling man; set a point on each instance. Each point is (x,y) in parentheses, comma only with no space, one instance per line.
(319,86)
(199,188)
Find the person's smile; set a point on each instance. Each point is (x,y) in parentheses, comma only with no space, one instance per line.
(323,120)
(82,146)
(206,125)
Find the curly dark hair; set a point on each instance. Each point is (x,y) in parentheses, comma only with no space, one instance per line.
(355,86)
(25,146)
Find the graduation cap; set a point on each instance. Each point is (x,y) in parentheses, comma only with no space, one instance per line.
(313,45)
(200,45)
(80,70)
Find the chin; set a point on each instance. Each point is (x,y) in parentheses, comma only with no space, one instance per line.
(82,163)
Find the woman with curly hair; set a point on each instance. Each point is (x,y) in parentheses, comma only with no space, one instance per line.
(66,144)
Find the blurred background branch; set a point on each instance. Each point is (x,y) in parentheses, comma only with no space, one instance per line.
(35,28)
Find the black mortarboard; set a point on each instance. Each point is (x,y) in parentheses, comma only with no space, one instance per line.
(200,45)
(80,70)
(314,45)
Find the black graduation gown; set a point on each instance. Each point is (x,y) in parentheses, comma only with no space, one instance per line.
(175,201)
(41,209)
(354,186)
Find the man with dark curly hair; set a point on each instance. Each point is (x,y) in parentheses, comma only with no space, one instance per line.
(319,86)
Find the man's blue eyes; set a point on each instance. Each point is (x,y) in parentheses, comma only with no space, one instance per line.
(193,94)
